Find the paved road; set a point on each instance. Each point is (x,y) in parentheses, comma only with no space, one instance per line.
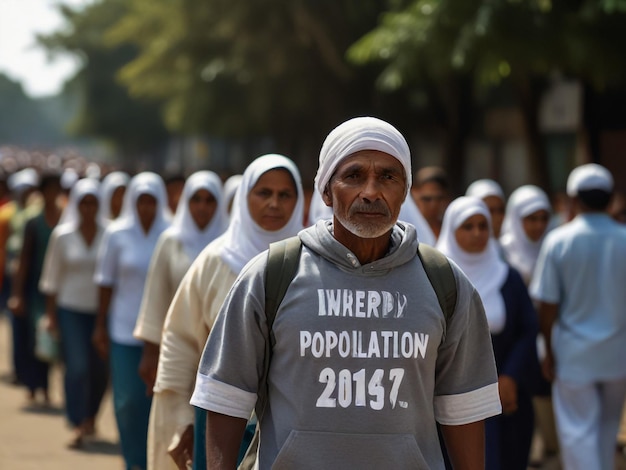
(35,439)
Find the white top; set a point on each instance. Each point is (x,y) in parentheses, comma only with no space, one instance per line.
(581,268)
(124,256)
(68,269)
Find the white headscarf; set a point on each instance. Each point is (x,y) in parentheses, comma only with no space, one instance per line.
(362,133)
(145,183)
(485,270)
(521,252)
(183,226)
(244,238)
(230,188)
(485,188)
(79,190)
(110,183)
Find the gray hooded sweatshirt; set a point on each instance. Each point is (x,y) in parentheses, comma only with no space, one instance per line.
(364,362)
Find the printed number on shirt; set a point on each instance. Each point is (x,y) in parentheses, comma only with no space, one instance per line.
(354,389)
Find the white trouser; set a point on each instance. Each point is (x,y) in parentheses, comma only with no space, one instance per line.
(587,418)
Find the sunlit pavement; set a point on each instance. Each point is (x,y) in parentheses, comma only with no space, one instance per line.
(34,438)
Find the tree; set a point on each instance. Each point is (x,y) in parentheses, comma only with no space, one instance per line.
(493,41)
(238,68)
(107,111)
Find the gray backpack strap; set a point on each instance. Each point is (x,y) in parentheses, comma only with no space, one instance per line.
(441,277)
(282,263)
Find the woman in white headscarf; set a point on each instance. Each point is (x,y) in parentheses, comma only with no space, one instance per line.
(467,239)
(268,207)
(524,228)
(492,195)
(121,270)
(72,303)
(198,221)
(112,192)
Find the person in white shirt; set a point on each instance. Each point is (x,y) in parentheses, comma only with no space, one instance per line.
(199,219)
(121,270)
(72,303)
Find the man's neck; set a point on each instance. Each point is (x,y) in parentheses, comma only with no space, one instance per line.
(366,250)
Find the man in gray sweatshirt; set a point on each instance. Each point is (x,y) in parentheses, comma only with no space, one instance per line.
(364,363)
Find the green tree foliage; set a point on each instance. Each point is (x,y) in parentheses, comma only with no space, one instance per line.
(106,110)
(240,68)
(519,42)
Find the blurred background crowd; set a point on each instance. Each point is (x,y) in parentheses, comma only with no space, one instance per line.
(499,99)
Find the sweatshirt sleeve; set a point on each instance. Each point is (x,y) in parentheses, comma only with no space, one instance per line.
(466,387)
(233,359)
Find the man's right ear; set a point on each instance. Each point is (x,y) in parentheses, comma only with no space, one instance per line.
(327,197)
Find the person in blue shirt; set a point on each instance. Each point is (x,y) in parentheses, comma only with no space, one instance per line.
(579,282)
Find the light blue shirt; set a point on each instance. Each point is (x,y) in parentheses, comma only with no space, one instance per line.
(582,268)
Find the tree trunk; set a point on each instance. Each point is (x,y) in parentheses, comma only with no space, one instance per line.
(529,92)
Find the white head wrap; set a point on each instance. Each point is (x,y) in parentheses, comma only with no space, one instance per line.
(362,133)
(485,270)
(230,188)
(183,226)
(69,177)
(588,177)
(110,183)
(23,179)
(79,190)
(521,252)
(485,188)
(244,238)
(145,183)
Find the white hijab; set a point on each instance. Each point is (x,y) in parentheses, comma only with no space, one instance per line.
(109,184)
(521,252)
(485,270)
(144,183)
(244,238)
(484,188)
(80,189)
(183,226)
(230,188)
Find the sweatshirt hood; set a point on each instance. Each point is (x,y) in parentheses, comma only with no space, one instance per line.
(320,239)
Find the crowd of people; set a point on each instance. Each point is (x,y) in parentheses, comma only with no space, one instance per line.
(157,288)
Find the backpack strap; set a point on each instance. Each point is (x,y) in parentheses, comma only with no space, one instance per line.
(283,259)
(441,277)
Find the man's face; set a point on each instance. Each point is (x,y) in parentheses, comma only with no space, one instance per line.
(366,192)
(431,199)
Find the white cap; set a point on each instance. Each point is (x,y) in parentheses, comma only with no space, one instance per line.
(362,133)
(588,177)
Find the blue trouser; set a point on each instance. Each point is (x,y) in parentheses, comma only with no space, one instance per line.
(30,370)
(19,337)
(131,404)
(86,374)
